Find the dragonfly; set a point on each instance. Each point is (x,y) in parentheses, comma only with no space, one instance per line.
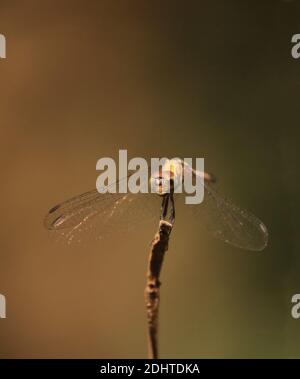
(221,217)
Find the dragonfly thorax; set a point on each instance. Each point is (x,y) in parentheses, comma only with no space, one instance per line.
(161,185)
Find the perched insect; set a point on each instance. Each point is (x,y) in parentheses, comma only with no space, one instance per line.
(223,219)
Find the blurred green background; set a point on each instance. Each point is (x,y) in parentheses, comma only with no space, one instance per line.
(83,79)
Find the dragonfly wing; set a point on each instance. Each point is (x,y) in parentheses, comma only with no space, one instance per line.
(79,209)
(102,213)
(230,223)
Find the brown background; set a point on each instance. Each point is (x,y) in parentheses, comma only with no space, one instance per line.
(83,79)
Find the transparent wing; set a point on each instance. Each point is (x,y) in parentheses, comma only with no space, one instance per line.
(110,212)
(228,222)
(79,208)
(101,213)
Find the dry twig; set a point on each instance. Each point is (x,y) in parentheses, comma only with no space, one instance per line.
(158,248)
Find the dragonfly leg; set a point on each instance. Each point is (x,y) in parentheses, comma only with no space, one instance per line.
(172,215)
(164,207)
(168,198)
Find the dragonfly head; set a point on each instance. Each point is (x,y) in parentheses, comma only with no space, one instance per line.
(167,178)
(161,184)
